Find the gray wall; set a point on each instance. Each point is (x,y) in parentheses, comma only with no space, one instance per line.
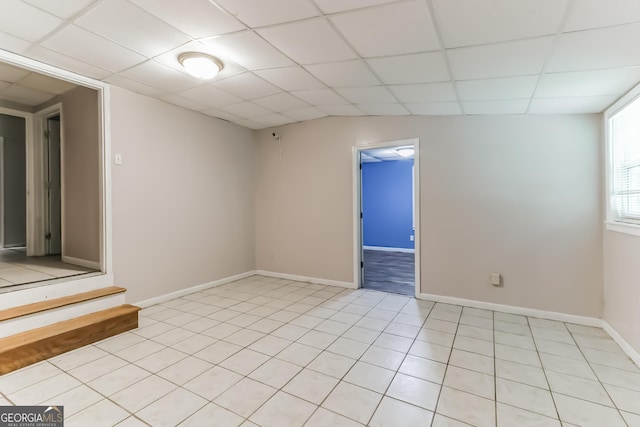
(519,195)
(622,285)
(183,200)
(81,174)
(14,172)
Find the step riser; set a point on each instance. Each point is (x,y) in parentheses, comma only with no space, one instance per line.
(48,317)
(50,346)
(11,298)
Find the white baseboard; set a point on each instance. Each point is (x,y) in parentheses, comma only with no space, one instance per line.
(624,345)
(193,289)
(319,281)
(532,312)
(385,249)
(81,262)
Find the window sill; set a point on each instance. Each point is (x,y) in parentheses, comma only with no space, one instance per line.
(623,227)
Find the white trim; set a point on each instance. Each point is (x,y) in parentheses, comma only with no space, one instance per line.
(523,311)
(104,113)
(81,262)
(41,208)
(624,345)
(193,289)
(386,249)
(357,197)
(297,278)
(623,227)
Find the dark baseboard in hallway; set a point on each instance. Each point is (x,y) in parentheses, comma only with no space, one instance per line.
(389,272)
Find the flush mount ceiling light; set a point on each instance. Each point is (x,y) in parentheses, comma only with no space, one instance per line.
(405,151)
(200,65)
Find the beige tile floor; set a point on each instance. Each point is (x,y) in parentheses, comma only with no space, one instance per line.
(276,353)
(16,268)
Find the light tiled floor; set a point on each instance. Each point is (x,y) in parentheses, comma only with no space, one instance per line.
(272,352)
(16,268)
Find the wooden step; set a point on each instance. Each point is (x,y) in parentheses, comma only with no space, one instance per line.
(37,307)
(26,348)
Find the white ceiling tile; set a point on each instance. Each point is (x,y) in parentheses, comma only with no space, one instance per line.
(247,86)
(45,83)
(135,29)
(593,49)
(500,60)
(393,29)
(249,124)
(367,95)
(258,13)
(133,85)
(170,59)
(344,74)
(247,49)
(309,42)
(587,14)
(341,110)
(88,47)
(434,108)
(384,109)
(196,18)
(219,114)
(183,102)
(246,110)
(26,95)
(332,6)
(576,105)
(416,68)
(62,8)
(320,97)
(280,102)
(423,93)
(210,96)
(497,89)
(516,106)
(67,63)
(588,83)
(12,43)
(273,120)
(291,78)
(306,113)
(472,22)
(11,74)
(161,77)
(25,21)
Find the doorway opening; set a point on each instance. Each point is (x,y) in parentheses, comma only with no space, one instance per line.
(387,212)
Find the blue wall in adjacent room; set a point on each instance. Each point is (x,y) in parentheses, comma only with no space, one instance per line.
(387,204)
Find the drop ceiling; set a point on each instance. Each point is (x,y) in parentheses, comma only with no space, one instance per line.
(294,60)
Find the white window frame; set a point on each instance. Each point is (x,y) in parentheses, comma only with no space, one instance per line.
(613,221)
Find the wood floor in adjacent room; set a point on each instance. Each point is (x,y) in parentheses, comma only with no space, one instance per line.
(278,353)
(389,272)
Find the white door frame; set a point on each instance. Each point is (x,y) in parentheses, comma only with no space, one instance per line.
(357,208)
(42,209)
(31,170)
(104,119)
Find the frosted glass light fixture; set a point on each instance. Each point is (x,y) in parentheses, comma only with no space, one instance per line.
(405,151)
(200,65)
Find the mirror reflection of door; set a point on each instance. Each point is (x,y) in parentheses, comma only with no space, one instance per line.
(54,194)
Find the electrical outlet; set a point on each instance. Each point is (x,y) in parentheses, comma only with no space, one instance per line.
(496,279)
(118,159)
(411,238)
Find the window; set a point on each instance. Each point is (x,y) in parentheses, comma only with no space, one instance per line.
(624,140)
